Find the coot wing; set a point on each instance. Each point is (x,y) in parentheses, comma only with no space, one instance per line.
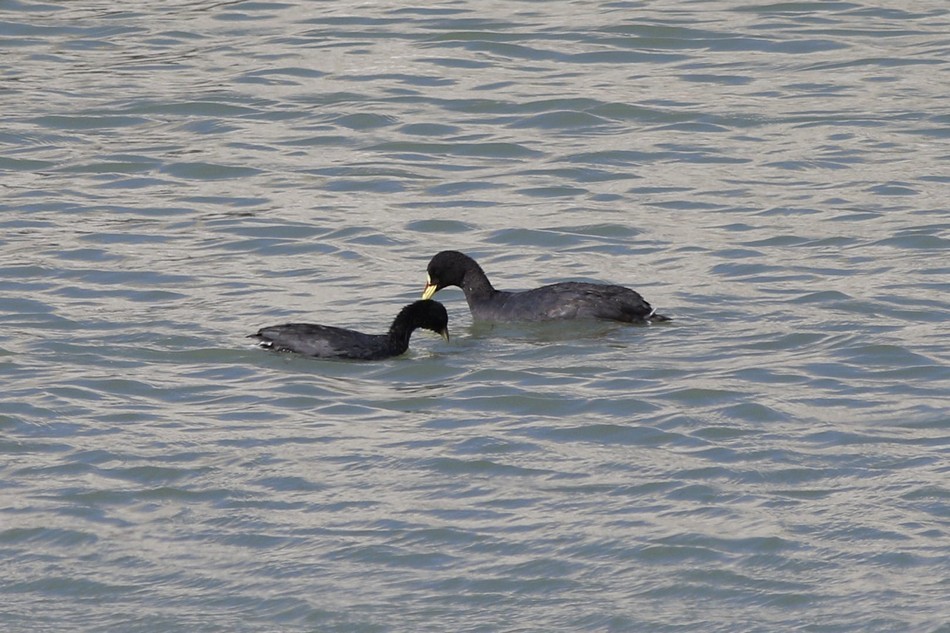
(323,341)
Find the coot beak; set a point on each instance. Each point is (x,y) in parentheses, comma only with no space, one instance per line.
(444,334)
(430,288)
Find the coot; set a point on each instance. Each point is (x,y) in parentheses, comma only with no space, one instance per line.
(325,341)
(567,300)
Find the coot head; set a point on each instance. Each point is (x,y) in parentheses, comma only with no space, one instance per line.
(448,268)
(426,314)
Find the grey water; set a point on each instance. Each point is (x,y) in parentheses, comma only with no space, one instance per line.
(773,175)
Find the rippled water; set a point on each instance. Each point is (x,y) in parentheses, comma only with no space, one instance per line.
(178,174)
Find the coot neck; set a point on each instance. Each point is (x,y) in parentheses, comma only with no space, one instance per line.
(476,286)
(399,334)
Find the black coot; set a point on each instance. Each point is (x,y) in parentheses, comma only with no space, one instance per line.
(325,341)
(568,300)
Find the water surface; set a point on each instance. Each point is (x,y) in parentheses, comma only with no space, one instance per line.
(773,176)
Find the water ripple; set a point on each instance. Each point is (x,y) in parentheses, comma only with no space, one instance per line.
(177,176)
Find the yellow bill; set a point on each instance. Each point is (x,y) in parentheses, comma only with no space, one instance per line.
(430,289)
